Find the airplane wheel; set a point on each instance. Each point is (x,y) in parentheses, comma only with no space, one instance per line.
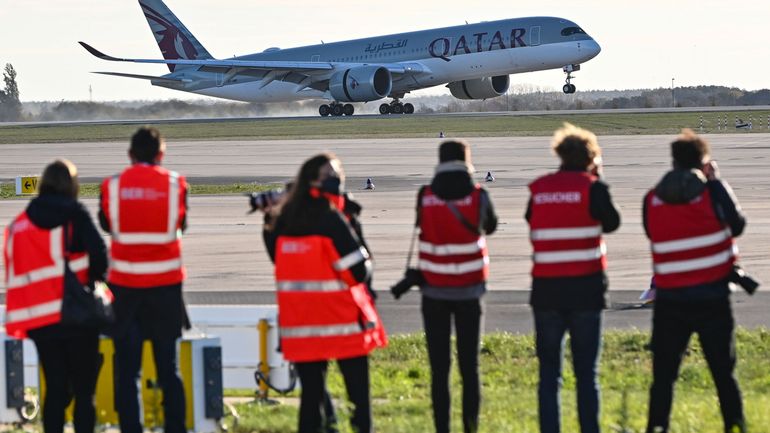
(397,108)
(384,109)
(567,88)
(338,110)
(408,108)
(348,109)
(324,110)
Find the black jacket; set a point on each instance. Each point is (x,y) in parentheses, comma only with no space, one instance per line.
(51,211)
(334,225)
(454,185)
(680,186)
(584,292)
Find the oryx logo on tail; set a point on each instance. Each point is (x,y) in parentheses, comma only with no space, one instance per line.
(174,40)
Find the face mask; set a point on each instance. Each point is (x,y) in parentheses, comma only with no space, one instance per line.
(332,185)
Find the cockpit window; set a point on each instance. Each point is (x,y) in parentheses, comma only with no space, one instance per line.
(569,31)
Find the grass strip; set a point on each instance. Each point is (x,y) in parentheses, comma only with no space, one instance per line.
(389,127)
(400,385)
(91,190)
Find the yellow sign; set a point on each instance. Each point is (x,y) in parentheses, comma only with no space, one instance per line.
(26,185)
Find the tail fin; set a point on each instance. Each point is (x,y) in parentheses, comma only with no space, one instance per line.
(174,40)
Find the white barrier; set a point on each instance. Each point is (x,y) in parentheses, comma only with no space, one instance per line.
(235,325)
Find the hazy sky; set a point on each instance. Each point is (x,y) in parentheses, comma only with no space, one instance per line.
(645,43)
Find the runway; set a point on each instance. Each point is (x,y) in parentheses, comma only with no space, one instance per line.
(370,116)
(223,248)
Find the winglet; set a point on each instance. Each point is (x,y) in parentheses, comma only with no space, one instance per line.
(98,53)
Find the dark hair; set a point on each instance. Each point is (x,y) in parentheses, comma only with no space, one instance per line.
(453,150)
(60,178)
(689,150)
(146,144)
(576,147)
(301,211)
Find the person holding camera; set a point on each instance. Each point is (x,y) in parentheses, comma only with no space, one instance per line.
(568,211)
(325,310)
(691,217)
(51,248)
(144,208)
(454,214)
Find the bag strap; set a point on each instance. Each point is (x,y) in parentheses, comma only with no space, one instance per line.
(456,212)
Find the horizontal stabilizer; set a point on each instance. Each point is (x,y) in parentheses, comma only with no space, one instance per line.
(142,77)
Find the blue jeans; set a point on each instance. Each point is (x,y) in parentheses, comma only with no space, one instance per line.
(584,327)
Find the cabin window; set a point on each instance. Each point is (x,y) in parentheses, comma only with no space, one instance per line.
(569,31)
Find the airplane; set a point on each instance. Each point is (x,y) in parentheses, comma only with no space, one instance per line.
(473,60)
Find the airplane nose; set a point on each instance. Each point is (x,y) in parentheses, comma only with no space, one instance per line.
(591,48)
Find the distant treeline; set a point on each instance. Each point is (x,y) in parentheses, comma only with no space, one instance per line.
(519,98)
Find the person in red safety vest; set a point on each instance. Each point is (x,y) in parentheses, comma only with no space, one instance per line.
(144,208)
(691,217)
(325,309)
(454,214)
(568,211)
(50,247)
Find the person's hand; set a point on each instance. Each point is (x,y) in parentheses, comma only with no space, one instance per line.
(711,170)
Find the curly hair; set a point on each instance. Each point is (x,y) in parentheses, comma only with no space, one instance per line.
(576,147)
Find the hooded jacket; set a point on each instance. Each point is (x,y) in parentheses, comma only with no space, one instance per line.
(50,211)
(680,186)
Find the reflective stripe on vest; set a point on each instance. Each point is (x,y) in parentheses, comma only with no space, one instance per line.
(351,259)
(152,238)
(312,286)
(33,312)
(320,331)
(79,264)
(453,249)
(566,233)
(691,243)
(146,268)
(55,270)
(549,257)
(717,259)
(454,268)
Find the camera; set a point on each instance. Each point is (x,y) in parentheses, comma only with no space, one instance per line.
(412,277)
(263,200)
(740,277)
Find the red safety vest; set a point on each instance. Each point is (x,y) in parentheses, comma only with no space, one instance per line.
(323,313)
(34,275)
(145,206)
(690,246)
(450,254)
(566,239)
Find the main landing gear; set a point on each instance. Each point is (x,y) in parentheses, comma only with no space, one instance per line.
(396,107)
(569,88)
(336,109)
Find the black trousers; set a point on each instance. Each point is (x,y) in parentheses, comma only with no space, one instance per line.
(128,361)
(672,325)
(71,368)
(316,413)
(437,320)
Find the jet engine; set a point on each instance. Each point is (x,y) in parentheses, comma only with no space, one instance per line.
(480,88)
(361,84)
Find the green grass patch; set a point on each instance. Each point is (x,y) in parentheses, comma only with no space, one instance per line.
(91,190)
(400,385)
(386,127)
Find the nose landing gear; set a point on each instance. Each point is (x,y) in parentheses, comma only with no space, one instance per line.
(396,107)
(569,88)
(336,109)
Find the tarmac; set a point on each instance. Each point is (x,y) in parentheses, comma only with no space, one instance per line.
(223,247)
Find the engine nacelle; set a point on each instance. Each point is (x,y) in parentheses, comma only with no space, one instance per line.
(480,88)
(361,84)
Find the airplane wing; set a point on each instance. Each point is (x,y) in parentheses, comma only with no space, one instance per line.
(143,77)
(313,75)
